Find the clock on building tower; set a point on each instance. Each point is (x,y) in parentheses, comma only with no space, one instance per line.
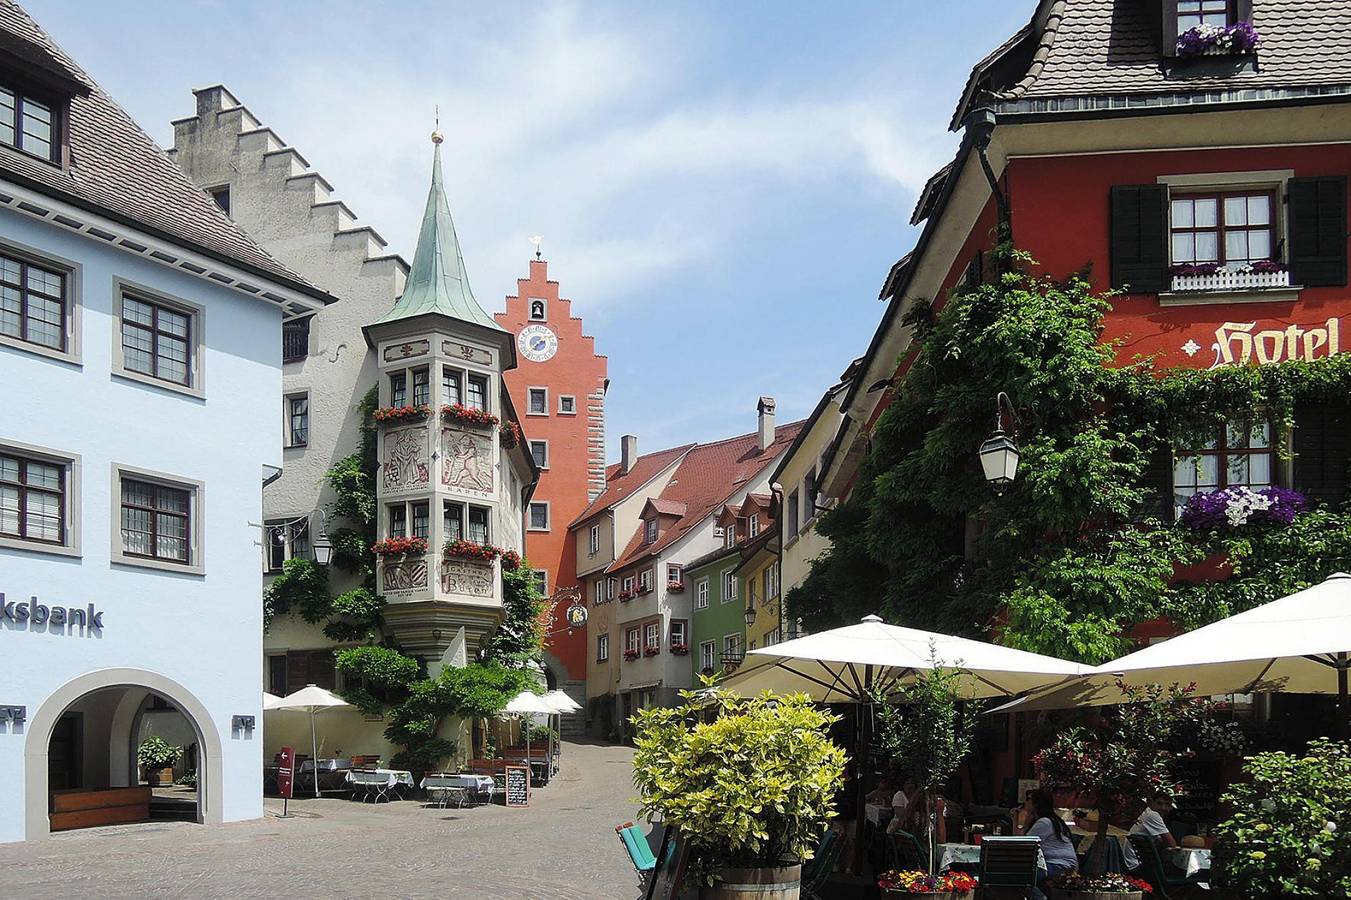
(537,343)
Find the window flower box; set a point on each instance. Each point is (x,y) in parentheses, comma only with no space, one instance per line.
(680,649)
(1236,506)
(392,414)
(400,546)
(651,651)
(631,655)
(1261,275)
(510,435)
(1216,40)
(626,595)
(675,587)
(644,589)
(511,560)
(466,415)
(461,549)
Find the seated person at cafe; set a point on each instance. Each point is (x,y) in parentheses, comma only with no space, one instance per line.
(1037,818)
(1151,823)
(908,812)
(882,794)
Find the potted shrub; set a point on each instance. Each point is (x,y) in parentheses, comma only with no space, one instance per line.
(948,886)
(157,757)
(749,789)
(1111,886)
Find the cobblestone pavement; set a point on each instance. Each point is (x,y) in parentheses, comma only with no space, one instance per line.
(562,846)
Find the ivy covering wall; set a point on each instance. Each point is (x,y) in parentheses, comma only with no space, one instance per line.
(1083,545)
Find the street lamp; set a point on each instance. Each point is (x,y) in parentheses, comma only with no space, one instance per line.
(999,454)
(323,548)
(750,615)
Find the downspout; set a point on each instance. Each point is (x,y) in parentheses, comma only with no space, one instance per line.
(980,124)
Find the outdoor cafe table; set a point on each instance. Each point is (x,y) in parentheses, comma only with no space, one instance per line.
(1090,835)
(439,785)
(1190,859)
(332,774)
(966,857)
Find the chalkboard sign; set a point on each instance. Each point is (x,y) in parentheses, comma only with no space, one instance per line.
(1200,795)
(518,786)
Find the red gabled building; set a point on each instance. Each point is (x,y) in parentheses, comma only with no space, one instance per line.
(559,391)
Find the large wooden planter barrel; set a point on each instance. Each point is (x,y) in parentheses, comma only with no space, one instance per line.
(941,895)
(777,883)
(1096,895)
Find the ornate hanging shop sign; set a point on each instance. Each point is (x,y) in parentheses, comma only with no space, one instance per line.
(1241,344)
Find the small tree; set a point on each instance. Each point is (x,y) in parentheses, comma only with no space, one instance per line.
(1127,758)
(927,730)
(753,787)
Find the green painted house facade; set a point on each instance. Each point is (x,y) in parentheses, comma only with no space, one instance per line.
(718,613)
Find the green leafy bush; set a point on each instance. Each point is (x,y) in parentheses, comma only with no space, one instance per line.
(157,753)
(752,787)
(302,587)
(1290,831)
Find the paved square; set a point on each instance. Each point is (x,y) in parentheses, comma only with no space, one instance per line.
(562,846)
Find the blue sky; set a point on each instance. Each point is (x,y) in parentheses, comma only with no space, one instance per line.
(721,187)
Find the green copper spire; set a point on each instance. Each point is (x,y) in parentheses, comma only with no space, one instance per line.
(437,281)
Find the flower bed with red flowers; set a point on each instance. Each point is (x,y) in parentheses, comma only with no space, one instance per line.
(915,881)
(510,436)
(651,651)
(415,413)
(400,546)
(510,560)
(631,655)
(626,595)
(675,587)
(461,549)
(680,649)
(1111,883)
(468,415)
(644,590)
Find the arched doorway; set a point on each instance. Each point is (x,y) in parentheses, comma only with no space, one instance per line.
(82,742)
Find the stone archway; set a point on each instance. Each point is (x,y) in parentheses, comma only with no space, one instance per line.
(41,725)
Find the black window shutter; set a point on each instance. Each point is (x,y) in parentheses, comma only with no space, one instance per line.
(1318,231)
(975,270)
(297,670)
(1322,447)
(322,669)
(1139,238)
(1243,11)
(1157,482)
(1169,34)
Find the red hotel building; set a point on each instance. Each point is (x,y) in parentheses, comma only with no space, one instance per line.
(558,389)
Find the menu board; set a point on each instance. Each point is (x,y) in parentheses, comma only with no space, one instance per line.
(1200,795)
(518,785)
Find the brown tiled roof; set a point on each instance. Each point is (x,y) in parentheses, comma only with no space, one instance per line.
(664,507)
(116,169)
(619,485)
(707,476)
(1104,48)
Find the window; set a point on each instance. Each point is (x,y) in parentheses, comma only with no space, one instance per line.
(707,652)
(728,586)
(628,584)
(567,405)
(452,521)
(645,580)
(478,392)
(33,499)
(650,530)
(276,674)
(602,647)
(774,637)
(298,421)
(538,402)
(673,573)
(653,641)
(541,577)
(478,524)
(598,591)
(679,632)
(32,303)
(27,124)
(421,520)
(156,521)
(791,507)
(295,340)
(398,521)
(610,588)
(451,387)
(731,649)
(1231,229)
(539,516)
(701,594)
(537,309)
(421,388)
(729,535)
(593,541)
(1240,454)
(753,525)
(1191,13)
(751,588)
(286,539)
(809,495)
(156,340)
(398,389)
(771,580)
(539,451)
(631,640)
(222,197)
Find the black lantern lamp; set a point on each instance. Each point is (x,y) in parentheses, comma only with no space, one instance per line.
(999,454)
(750,615)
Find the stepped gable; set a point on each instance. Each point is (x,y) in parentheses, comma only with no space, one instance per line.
(707,477)
(286,205)
(117,170)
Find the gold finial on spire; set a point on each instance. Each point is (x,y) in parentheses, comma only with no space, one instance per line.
(537,240)
(437,136)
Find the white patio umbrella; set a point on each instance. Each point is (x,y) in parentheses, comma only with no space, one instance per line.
(312,699)
(270,701)
(1300,644)
(562,704)
(528,703)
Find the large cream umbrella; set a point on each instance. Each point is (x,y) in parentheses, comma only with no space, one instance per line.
(562,704)
(528,703)
(312,699)
(1300,644)
(270,701)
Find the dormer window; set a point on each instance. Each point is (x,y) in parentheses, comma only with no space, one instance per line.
(1191,13)
(650,531)
(28,124)
(753,525)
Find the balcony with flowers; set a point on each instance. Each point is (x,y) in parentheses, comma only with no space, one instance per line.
(1263,274)
(397,547)
(397,415)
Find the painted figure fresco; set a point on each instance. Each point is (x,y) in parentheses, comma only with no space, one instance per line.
(405,459)
(466,461)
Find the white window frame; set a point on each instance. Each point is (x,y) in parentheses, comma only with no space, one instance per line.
(628,584)
(684,628)
(645,579)
(729,586)
(598,591)
(651,530)
(545,445)
(541,577)
(610,587)
(530,516)
(593,541)
(633,640)
(729,535)
(652,636)
(73,468)
(569,398)
(196,386)
(675,573)
(196,563)
(701,594)
(708,655)
(529,396)
(603,647)
(734,642)
(290,528)
(73,305)
(753,525)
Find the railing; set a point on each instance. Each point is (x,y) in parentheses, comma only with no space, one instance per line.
(295,340)
(732,658)
(1225,280)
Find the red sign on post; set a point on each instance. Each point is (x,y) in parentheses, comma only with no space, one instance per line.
(286,771)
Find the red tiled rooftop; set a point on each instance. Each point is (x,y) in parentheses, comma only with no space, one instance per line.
(619,485)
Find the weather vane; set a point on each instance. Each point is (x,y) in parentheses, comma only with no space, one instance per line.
(437,136)
(537,240)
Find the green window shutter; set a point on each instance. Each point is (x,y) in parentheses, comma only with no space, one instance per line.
(1322,447)
(1318,231)
(1169,34)
(1139,238)
(297,670)
(322,672)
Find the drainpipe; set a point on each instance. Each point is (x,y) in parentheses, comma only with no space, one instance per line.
(979,125)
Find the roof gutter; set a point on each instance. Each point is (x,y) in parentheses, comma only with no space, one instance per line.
(980,124)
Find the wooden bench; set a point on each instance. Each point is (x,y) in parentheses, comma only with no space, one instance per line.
(109,806)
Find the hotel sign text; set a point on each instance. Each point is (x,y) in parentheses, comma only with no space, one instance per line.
(1239,344)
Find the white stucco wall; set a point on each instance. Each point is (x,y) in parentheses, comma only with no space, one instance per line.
(202,631)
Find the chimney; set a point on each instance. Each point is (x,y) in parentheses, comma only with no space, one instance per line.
(628,453)
(766,409)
